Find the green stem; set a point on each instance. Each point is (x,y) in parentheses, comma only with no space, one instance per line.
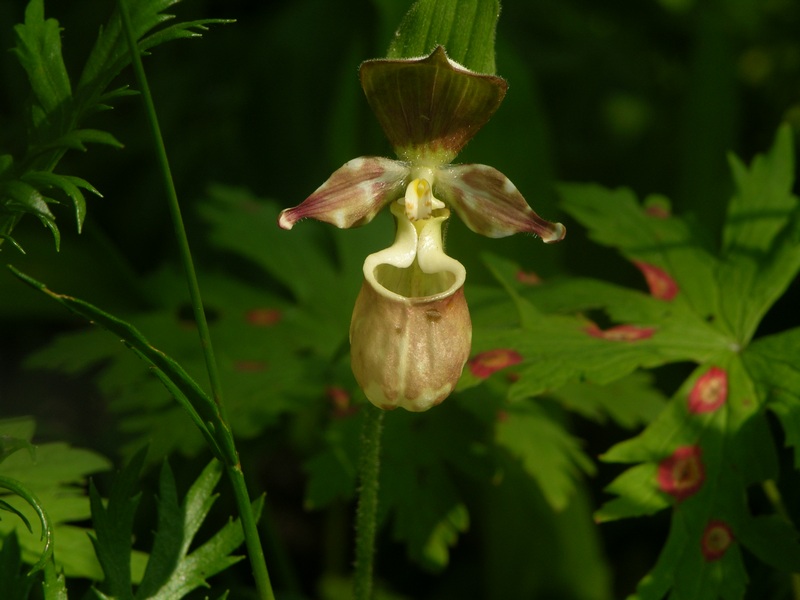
(175,214)
(251,538)
(221,429)
(367,515)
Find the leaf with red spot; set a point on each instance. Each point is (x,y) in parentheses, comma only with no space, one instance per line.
(709,392)
(681,474)
(703,307)
(484,364)
(661,285)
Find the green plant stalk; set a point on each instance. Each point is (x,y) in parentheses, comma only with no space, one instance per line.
(253,542)
(367,515)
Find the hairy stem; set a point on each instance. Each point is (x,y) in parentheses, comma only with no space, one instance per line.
(221,429)
(367,516)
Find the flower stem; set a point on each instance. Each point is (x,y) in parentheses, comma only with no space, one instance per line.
(367,515)
(229,453)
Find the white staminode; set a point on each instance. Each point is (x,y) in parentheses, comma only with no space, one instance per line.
(419,200)
(416,265)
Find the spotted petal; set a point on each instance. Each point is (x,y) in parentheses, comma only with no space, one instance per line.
(490,204)
(353,195)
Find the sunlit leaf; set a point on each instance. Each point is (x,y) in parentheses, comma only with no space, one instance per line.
(56,474)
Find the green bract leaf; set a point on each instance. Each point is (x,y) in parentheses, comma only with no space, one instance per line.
(466,28)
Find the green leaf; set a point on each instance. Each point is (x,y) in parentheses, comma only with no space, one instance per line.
(56,477)
(466,28)
(628,402)
(761,239)
(774,540)
(549,454)
(22,492)
(246,226)
(774,363)
(113,524)
(187,392)
(556,348)
(712,440)
(176,572)
(24,198)
(78,138)
(257,346)
(110,53)
(14,583)
(333,472)
(416,487)
(39,51)
(70,185)
(9,445)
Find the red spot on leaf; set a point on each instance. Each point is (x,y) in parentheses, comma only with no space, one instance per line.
(263,317)
(528,278)
(621,333)
(340,400)
(484,364)
(717,538)
(657,211)
(682,473)
(661,285)
(502,416)
(250,366)
(709,392)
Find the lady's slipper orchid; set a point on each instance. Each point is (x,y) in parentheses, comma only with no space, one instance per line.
(411,332)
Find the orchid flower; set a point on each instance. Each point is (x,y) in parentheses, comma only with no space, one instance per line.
(411,333)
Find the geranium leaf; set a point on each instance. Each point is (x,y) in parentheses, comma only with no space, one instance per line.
(54,475)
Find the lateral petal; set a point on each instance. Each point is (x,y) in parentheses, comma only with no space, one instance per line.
(353,194)
(490,204)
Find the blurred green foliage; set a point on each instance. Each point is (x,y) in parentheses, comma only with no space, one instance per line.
(649,94)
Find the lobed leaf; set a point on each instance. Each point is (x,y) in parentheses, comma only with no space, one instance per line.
(55,475)
(200,407)
(549,454)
